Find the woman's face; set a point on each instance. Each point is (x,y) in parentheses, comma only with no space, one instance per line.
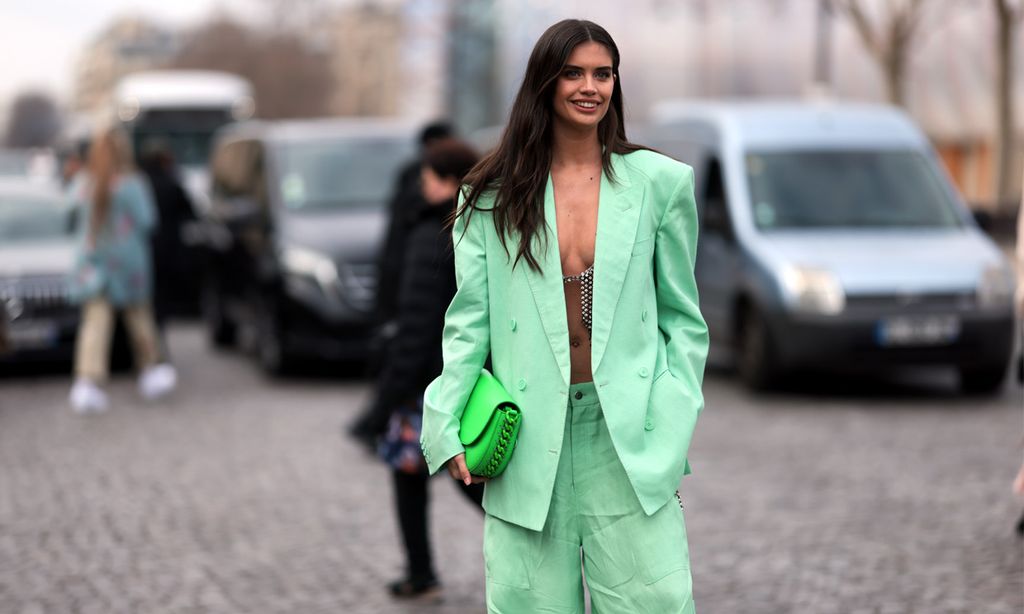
(436,189)
(584,89)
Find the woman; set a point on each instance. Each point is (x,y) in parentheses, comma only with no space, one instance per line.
(112,271)
(574,262)
(425,287)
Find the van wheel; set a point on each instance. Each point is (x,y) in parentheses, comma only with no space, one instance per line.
(985,380)
(756,358)
(220,330)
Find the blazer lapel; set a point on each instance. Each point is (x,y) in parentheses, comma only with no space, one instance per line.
(617,219)
(546,286)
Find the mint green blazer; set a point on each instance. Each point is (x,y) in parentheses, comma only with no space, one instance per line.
(649,341)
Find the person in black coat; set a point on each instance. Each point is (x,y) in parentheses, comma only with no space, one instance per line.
(404,209)
(173,265)
(405,206)
(426,287)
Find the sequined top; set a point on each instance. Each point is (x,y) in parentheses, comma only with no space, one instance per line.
(586,279)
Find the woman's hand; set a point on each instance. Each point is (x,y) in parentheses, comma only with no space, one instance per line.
(457,469)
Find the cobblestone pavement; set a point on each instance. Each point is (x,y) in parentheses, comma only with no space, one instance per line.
(239,496)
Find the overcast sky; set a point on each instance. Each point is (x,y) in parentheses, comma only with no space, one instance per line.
(39,39)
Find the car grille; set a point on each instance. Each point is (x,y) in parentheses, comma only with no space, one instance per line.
(950,301)
(34,298)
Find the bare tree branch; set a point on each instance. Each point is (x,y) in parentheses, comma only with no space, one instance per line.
(889,40)
(289,78)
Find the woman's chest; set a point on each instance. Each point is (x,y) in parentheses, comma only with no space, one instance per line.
(576,200)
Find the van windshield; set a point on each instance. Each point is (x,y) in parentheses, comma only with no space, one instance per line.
(848,189)
(186,132)
(334,173)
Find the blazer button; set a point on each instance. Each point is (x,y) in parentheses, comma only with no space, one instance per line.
(521,384)
(512,324)
(648,425)
(643,372)
(643,315)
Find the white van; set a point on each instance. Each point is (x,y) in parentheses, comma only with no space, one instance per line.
(831,237)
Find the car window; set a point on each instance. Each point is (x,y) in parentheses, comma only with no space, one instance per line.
(848,189)
(331,173)
(32,218)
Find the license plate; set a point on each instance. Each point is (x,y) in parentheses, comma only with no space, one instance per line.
(31,335)
(920,330)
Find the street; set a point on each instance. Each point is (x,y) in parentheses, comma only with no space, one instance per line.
(239,495)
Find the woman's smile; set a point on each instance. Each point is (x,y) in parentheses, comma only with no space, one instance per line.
(586,106)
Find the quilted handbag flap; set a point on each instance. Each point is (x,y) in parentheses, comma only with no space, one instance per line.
(488,395)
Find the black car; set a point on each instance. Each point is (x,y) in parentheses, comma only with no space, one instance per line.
(298,213)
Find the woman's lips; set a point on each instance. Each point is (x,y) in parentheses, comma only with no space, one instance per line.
(586,106)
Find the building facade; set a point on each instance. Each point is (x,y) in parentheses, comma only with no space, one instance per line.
(128,45)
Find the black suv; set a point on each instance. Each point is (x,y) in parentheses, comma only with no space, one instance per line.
(298,213)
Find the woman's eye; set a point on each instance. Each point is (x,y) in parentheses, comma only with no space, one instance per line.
(603,74)
(572,74)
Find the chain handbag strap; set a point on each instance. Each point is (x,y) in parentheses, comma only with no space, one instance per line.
(500,449)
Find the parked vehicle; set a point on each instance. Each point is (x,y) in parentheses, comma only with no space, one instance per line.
(830,236)
(297,218)
(35,254)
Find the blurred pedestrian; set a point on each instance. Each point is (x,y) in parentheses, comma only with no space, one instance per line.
(173,265)
(403,211)
(426,286)
(112,271)
(574,253)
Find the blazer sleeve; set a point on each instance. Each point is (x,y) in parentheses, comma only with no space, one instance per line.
(679,317)
(465,344)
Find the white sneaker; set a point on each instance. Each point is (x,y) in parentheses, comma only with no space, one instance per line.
(157,381)
(86,397)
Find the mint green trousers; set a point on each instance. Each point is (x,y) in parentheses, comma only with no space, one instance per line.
(595,532)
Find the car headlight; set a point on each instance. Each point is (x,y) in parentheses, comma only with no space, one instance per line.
(995,288)
(306,262)
(811,290)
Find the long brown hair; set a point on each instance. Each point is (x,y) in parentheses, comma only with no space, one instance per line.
(517,170)
(110,155)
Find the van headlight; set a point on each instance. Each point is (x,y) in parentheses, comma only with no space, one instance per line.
(995,288)
(814,291)
(308,263)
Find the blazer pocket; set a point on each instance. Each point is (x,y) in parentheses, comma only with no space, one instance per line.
(643,246)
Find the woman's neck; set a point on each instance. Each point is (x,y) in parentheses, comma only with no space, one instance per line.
(575,149)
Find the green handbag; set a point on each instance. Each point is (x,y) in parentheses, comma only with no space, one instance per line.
(489,427)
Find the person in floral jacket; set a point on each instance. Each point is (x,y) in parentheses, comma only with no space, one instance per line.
(113,272)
